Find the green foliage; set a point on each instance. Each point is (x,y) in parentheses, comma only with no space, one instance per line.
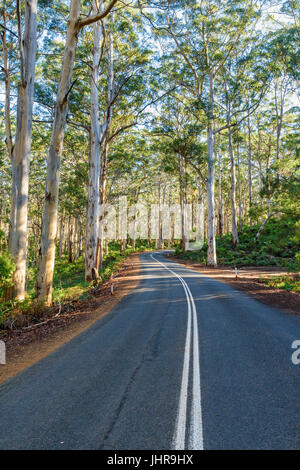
(290,283)
(278,245)
(7,267)
(68,284)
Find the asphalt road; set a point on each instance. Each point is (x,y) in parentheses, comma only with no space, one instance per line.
(183,361)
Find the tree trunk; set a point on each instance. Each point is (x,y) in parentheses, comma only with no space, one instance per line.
(235,238)
(211,237)
(220,215)
(79,239)
(249,168)
(70,240)
(279,115)
(200,214)
(49,227)
(8,134)
(182,205)
(22,148)
(263,224)
(61,237)
(105,139)
(94,163)
(239,187)
(260,173)
(75,240)
(103,178)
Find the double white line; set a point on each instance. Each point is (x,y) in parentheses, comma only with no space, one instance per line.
(195,436)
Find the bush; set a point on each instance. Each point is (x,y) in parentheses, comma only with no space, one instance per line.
(277,246)
(287,282)
(7,268)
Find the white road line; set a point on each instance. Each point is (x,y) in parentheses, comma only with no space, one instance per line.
(196,431)
(180,428)
(196,434)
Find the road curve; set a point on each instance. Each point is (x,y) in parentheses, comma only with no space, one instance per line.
(182,362)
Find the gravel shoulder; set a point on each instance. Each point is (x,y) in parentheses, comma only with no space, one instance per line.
(249,281)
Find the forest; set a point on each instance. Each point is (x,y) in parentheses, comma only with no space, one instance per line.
(190,104)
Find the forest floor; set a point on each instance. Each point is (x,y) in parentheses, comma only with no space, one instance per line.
(26,346)
(251,281)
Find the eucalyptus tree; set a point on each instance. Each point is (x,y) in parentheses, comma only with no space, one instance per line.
(20,150)
(177,132)
(203,36)
(75,24)
(94,157)
(6,50)
(125,78)
(238,82)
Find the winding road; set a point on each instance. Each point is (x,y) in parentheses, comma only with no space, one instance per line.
(182,362)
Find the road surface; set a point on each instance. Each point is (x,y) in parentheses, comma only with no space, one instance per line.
(182,362)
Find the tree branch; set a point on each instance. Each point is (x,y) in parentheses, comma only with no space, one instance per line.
(196,168)
(92,19)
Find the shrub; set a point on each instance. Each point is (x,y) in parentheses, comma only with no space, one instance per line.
(277,246)
(7,268)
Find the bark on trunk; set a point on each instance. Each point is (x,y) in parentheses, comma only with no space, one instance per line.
(105,139)
(220,215)
(182,205)
(211,237)
(249,168)
(8,134)
(262,226)
(22,148)
(49,228)
(279,106)
(235,237)
(200,213)
(239,187)
(103,178)
(94,163)
(70,240)
(61,237)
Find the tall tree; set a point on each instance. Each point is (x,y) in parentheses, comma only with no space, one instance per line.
(21,151)
(94,157)
(49,229)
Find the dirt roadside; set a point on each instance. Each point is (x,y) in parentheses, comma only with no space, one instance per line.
(27,346)
(248,281)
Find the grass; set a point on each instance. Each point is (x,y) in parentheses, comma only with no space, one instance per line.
(278,245)
(68,282)
(287,282)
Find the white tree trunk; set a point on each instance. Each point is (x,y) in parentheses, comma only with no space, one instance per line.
(262,225)
(49,227)
(94,163)
(61,237)
(22,148)
(182,203)
(200,214)
(235,237)
(211,237)
(104,141)
(8,134)
(70,239)
(249,168)
(239,188)
(220,215)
